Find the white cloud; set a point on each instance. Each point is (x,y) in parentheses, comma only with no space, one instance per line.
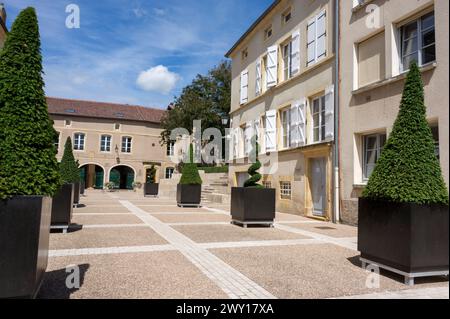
(157,79)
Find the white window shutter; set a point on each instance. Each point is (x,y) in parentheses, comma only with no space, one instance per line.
(272,66)
(311,41)
(244,86)
(271,131)
(248,137)
(302,122)
(295,54)
(258,86)
(256,129)
(329,113)
(236,136)
(295,122)
(321,35)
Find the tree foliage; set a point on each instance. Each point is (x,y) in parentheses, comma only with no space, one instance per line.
(253,181)
(68,167)
(207,99)
(190,175)
(28,163)
(408,169)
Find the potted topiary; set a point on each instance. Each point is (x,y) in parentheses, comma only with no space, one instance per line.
(403,213)
(189,190)
(69,167)
(151,188)
(28,167)
(253,204)
(62,206)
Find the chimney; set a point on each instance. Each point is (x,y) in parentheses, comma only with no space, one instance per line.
(3,13)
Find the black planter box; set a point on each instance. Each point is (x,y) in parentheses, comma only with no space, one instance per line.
(151,189)
(62,206)
(408,237)
(189,195)
(76,193)
(24,240)
(82,187)
(253,205)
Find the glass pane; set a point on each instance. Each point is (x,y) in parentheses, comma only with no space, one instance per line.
(316,119)
(410,30)
(428,21)
(407,60)
(323,133)
(410,46)
(316,108)
(429,54)
(316,134)
(369,170)
(428,38)
(370,143)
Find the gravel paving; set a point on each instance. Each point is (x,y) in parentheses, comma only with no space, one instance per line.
(193,218)
(332,230)
(105,219)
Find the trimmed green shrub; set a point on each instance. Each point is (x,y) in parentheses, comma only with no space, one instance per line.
(190,175)
(214,169)
(252,182)
(28,164)
(70,173)
(408,169)
(151,175)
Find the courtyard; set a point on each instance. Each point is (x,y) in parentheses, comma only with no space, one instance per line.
(128,246)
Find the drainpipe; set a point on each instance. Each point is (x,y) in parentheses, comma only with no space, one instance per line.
(336,190)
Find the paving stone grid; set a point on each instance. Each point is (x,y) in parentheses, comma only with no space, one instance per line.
(232,281)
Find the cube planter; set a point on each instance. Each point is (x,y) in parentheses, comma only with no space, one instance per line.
(410,238)
(253,206)
(189,195)
(62,206)
(151,189)
(24,243)
(76,193)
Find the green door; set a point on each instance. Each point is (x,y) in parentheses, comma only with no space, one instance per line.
(114,177)
(99,180)
(130,180)
(83,174)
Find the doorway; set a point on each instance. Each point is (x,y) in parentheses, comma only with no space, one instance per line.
(122,177)
(318,186)
(92,175)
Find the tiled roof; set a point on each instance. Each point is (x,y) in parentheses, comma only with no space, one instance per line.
(58,106)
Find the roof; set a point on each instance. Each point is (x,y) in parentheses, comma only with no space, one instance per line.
(91,109)
(253,27)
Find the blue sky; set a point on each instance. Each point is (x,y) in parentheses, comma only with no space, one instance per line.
(135,51)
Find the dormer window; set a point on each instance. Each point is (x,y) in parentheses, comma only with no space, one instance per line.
(71,111)
(244,54)
(286,16)
(268,33)
(119,114)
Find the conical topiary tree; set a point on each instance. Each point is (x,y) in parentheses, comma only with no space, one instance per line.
(252,182)
(408,170)
(68,167)
(190,175)
(151,177)
(28,163)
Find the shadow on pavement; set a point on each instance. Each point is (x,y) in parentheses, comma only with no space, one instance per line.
(54,285)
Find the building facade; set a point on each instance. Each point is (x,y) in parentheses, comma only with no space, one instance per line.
(378,40)
(3,29)
(112,142)
(283,71)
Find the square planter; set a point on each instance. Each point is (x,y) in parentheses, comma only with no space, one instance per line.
(407,237)
(151,189)
(252,205)
(76,193)
(62,206)
(24,243)
(189,195)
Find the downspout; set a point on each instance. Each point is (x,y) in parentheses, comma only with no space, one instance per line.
(336,186)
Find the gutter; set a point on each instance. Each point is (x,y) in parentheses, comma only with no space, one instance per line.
(336,154)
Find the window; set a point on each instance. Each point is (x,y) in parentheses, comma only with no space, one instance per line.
(56,141)
(267,184)
(67,122)
(373,146)
(317,38)
(268,33)
(247,139)
(264,74)
(244,54)
(287,61)
(435,131)
(286,16)
(286,127)
(126,144)
(171,148)
(169,172)
(371,60)
(105,143)
(244,87)
(78,141)
(318,115)
(285,190)
(117,126)
(418,42)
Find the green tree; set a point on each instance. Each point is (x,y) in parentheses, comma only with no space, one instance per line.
(253,181)
(207,98)
(408,169)
(28,163)
(190,175)
(68,167)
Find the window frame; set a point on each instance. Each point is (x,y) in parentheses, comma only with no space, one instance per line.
(168,173)
(106,149)
(285,14)
(285,190)
(285,119)
(322,120)
(77,145)
(267,30)
(128,149)
(287,67)
(378,149)
(170,150)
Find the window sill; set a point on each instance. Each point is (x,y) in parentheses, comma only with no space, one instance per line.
(401,76)
(360,185)
(361,5)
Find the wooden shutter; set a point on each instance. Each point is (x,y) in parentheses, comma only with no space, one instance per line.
(272,66)
(244,86)
(311,41)
(271,131)
(329,113)
(258,86)
(295,52)
(321,31)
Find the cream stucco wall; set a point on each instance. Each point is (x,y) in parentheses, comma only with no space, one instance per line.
(374,108)
(310,82)
(146,148)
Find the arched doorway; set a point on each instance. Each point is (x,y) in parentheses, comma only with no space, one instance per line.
(93,176)
(122,177)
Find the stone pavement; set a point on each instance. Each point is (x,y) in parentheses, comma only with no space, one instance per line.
(128,246)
